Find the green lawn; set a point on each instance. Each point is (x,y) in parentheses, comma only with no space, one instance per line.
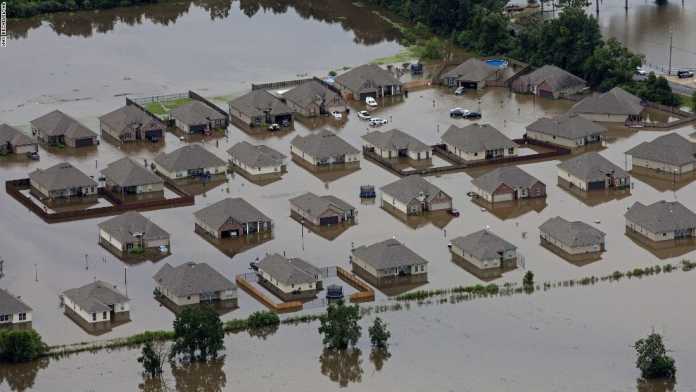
(162,108)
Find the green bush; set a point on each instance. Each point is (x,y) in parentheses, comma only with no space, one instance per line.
(262,319)
(652,358)
(20,346)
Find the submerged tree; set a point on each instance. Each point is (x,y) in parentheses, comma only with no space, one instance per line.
(528,281)
(653,360)
(20,345)
(152,358)
(339,325)
(199,334)
(379,334)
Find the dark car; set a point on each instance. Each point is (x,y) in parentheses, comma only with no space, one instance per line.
(683,74)
(472,115)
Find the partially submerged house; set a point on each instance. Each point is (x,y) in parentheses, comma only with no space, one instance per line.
(661,221)
(614,106)
(413,195)
(508,183)
(257,160)
(96,306)
(368,80)
(484,250)
(57,129)
(314,98)
(13,311)
(62,180)
(198,117)
(669,154)
(569,130)
(191,160)
(388,262)
(471,74)
(231,218)
(396,144)
(130,123)
(549,81)
(477,142)
(125,176)
(14,141)
(194,283)
(591,171)
(132,233)
(259,108)
(289,279)
(572,238)
(323,148)
(324,210)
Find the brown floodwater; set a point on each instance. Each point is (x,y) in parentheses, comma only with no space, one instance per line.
(206,46)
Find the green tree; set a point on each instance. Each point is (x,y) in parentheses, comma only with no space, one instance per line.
(652,359)
(431,49)
(654,89)
(20,345)
(199,334)
(340,327)
(262,319)
(611,65)
(693,102)
(528,281)
(488,33)
(379,334)
(152,357)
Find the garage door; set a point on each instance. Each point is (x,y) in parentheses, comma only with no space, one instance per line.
(229,233)
(329,220)
(470,85)
(545,93)
(595,185)
(502,197)
(365,95)
(83,142)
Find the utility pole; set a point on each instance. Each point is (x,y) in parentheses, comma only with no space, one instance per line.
(626,5)
(597,6)
(669,70)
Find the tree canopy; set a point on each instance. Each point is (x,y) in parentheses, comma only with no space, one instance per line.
(20,345)
(340,327)
(654,89)
(611,65)
(652,358)
(199,334)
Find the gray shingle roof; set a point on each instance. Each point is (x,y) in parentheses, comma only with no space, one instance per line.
(483,245)
(410,187)
(661,216)
(124,226)
(615,101)
(511,176)
(672,149)
(388,254)
(189,157)
(573,234)
(237,209)
(9,304)
(287,271)
(96,297)
(57,123)
(12,135)
(192,279)
(323,145)
(130,118)
(196,113)
(256,155)
(472,70)
(313,91)
(395,139)
(257,102)
(126,172)
(316,205)
(366,77)
(477,138)
(569,126)
(556,78)
(591,167)
(61,176)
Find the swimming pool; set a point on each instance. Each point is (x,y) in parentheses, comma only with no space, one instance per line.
(498,63)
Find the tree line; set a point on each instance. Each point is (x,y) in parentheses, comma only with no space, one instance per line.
(27,8)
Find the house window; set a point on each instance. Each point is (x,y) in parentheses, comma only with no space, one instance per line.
(22,317)
(511,151)
(94,317)
(103,315)
(4,318)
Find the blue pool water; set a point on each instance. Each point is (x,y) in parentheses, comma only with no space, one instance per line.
(498,63)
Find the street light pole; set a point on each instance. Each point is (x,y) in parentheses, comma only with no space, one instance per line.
(669,70)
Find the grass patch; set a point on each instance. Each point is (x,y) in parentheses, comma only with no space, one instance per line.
(162,108)
(406,55)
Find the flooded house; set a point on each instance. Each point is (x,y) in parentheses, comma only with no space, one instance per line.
(232,218)
(591,171)
(58,129)
(198,117)
(289,279)
(259,108)
(257,160)
(396,144)
(484,250)
(668,154)
(661,221)
(192,160)
(549,81)
(388,262)
(129,123)
(14,313)
(471,74)
(508,183)
(569,130)
(62,181)
(478,142)
(323,148)
(615,106)
(127,177)
(14,141)
(368,80)
(315,98)
(324,210)
(132,234)
(413,195)
(572,238)
(97,306)
(192,284)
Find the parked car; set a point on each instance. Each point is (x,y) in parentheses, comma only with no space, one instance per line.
(337,115)
(454,212)
(274,127)
(377,121)
(640,71)
(684,74)
(459,91)
(364,115)
(370,101)
(471,115)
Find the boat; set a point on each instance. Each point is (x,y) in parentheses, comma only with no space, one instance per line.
(367,192)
